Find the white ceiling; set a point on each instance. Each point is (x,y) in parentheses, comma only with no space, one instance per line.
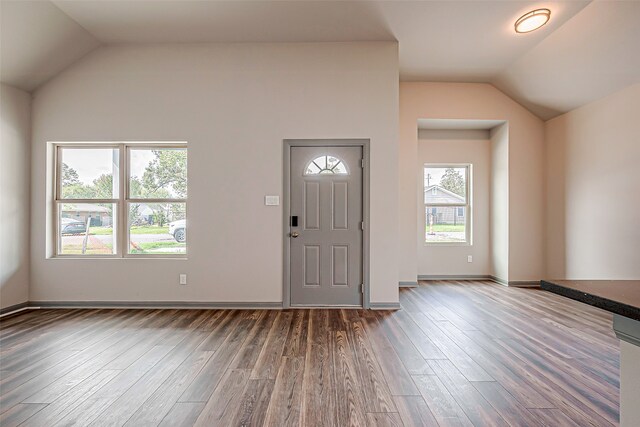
(186,21)
(594,54)
(468,41)
(587,50)
(37,41)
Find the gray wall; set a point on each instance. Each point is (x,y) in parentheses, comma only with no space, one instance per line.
(524,222)
(234,104)
(593,190)
(500,202)
(451,260)
(14,195)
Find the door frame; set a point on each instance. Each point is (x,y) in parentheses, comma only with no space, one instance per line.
(286,210)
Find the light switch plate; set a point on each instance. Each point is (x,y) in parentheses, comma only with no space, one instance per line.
(183,279)
(271,200)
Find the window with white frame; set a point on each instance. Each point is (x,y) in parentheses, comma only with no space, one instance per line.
(121,199)
(447,204)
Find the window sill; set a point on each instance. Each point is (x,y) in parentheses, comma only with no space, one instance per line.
(446,244)
(155,257)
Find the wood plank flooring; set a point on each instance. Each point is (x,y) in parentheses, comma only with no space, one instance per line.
(458,354)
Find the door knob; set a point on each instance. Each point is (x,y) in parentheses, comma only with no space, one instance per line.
(295,234)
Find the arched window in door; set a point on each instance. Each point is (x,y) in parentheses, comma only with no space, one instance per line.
(326,165)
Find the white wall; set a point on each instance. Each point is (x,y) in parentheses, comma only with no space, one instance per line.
(234,104)
(500,202)
(593,190)
(473,101)
(15,116)
(407,202)
(443,259)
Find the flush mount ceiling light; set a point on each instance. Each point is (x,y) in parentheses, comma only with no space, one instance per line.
(532,20)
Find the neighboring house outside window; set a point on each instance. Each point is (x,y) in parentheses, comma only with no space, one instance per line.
(447,204)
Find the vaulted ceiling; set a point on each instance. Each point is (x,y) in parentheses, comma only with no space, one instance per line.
(588,49)
(37,41)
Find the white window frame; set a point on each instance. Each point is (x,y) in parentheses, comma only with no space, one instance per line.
(468,167)
(121,212)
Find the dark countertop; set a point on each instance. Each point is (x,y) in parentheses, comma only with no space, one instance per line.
(617,296)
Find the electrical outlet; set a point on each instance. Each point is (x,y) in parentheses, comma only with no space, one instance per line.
(183,279)
(470,258)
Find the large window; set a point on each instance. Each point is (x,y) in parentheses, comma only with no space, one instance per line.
(121,200)
(447,204)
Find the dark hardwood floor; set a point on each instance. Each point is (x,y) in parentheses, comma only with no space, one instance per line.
(458,354)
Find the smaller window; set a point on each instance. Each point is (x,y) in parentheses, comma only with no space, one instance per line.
(447,204)
(326,165)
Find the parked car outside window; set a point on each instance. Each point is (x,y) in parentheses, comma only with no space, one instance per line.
(72,226)
(178,229)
